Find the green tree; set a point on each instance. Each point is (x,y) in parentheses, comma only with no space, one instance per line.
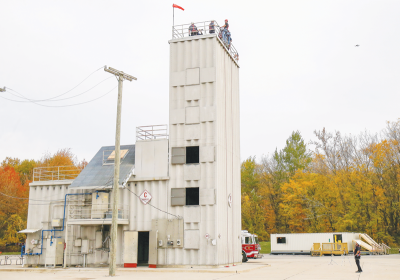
(294,156)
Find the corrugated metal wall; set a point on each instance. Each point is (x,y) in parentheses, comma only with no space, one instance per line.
(46,203)
(217,95)
(228,156)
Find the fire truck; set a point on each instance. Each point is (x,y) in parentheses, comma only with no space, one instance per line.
(250,247)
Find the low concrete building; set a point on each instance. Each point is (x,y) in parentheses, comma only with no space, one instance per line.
(179,198)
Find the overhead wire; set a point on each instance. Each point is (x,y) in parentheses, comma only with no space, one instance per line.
(62,93)
(179,217)
(53,100)
(69,105)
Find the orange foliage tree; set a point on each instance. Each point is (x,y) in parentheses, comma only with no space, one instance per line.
(344,183)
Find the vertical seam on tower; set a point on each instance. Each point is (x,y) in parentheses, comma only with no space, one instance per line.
(226,172)
(233,239)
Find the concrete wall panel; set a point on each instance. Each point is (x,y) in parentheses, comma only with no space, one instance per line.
(192,214)
(207,153)
(192,241)
(192,76)
(192,132)
(177,116)
(192,92)
(192,172)
(192,115)
(178,78)
(207,75)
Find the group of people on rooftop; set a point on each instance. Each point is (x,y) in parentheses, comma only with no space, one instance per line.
(225,34)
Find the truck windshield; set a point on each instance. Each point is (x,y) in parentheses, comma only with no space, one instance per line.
(256,239)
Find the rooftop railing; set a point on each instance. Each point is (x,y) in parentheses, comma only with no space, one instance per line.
(53,173)
(152,132)
(204,28)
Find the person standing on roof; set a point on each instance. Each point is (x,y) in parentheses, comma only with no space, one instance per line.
(357,256)
(192,29)
(226,26)
(211,27)
(225,32)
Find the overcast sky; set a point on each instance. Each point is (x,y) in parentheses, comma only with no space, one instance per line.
(300,69)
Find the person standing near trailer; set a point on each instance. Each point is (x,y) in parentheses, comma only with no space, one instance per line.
(357,256)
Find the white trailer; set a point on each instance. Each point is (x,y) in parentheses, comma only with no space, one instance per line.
(301,243)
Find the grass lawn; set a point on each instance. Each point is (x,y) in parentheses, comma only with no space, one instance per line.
(265,247)
(10,253)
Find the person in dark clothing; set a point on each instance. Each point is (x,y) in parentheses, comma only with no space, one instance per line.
(211,27)
(226,24)
(357,256)
(193,30)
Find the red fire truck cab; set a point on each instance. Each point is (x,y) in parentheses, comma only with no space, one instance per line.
(250,246)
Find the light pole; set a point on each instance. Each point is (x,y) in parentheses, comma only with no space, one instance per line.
(121,77)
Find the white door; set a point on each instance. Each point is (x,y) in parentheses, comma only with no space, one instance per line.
(130,248)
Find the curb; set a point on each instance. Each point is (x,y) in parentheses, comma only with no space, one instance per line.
(157,270)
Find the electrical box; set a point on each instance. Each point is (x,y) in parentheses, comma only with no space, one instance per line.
(78,243)
(54,251)
(57,223)
(85,246)
(99,204)
(169,232)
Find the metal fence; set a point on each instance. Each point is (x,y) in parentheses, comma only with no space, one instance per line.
(204,28)
(53,173)
(152,132)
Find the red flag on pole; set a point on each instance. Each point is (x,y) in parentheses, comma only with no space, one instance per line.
(176,6)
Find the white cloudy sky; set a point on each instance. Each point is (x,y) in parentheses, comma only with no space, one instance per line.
(300,69)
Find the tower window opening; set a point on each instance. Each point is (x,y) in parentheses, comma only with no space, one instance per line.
(192,154)
(192,196)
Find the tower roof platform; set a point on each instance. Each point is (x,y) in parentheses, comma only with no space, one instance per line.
(205,29)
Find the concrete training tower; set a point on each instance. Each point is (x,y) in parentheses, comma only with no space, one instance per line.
(179,198)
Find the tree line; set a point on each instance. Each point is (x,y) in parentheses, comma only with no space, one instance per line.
(336,183)
(15,176)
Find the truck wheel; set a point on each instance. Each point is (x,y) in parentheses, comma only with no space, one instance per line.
(244,257)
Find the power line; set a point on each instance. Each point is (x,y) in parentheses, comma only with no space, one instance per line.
(179,217)
(69,105)
(53,100)
(62,93)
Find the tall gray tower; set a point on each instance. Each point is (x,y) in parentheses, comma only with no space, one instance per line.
(204,145)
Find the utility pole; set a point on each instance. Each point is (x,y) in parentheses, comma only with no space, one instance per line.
(113,252)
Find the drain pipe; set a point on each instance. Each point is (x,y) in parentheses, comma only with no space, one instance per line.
(51,230)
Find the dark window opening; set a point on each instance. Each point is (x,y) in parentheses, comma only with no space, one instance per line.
(281,240)
(192,154)
(192,196)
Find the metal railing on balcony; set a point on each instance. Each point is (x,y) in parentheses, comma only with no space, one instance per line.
(152,132)
(204,28)
(96,212)
(54,173)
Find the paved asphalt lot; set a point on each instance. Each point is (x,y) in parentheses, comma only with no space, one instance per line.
(270,267)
